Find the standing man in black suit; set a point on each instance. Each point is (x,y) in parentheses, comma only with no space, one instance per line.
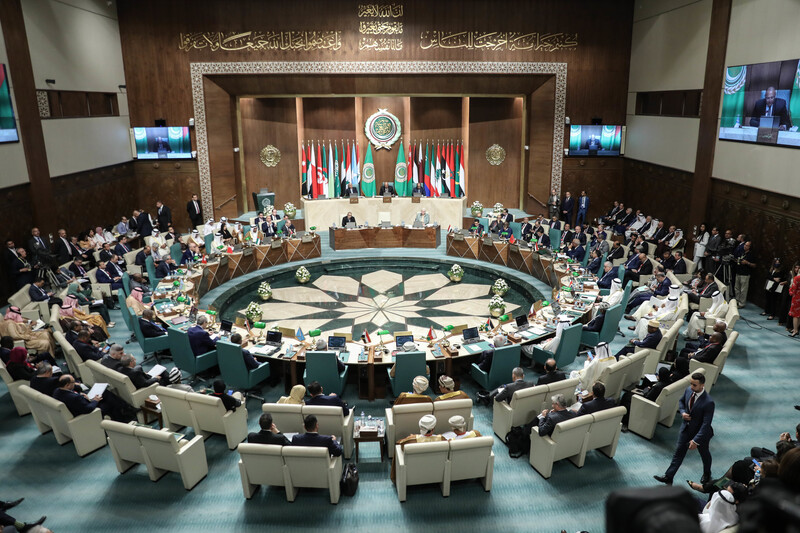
(37,245)
(312,437)
(144,225)
(697,411)
(62,248)
(553,201)
(770,106)
(21,269)
(567,207)
(504,393)
(164,216)
(547,419)
(269,434)
(599,402)
(195,211)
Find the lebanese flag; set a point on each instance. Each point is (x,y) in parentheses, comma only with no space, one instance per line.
(312,171)
(430,333)
(366,335)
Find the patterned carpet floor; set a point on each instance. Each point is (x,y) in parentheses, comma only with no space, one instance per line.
(754,397)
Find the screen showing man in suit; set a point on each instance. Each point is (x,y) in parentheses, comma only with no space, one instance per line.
(770,106)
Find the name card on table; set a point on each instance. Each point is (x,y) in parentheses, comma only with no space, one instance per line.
(487,241)
(354,199)
(458,236)
(276,243)
(387,199)
(514,247)
(415,199)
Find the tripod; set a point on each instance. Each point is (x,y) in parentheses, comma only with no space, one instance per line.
(727,273)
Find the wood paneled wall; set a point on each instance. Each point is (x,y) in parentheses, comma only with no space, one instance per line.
(172,182)
(769,218)
(600,177)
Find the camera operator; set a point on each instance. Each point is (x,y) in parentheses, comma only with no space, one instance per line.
(744,268)
(727,260)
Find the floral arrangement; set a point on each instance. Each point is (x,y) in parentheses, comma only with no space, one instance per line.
(253,312)
(289,209)
(497,306)
(455,273)
(500,287)
(476,208)
(498,207)
(302,275)
(264,291)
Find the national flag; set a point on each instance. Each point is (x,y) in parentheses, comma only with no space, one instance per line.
(444,179)
(532,310)
(462,176)
(794,99)
(449,227)
(299,334)
(419,172)
(325,167)
(366,333)
(451,168)
(303,170)
(733,97)
(574,137)
(343,165)
(427,174)
(356,166)
(437,185)
(353,170)
(430,333)
(349,165)
(489,323)
(312,171)
(511,239)
(401,173)
(410,168)
(229,249)
(368,185)
(337,186)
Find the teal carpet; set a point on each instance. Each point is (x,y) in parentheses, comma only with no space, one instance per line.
(754,400)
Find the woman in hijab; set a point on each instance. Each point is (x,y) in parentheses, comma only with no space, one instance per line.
(71,308)
(84,297)
(18,365)
(700,243)
(717,311)
(19,329)
(680,370)
(295,397)
(615,294)
(136,301)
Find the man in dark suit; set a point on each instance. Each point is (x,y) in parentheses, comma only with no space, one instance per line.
(165,267)
(418,190)
(476,227)
(504,393)
(661,288)
(659,234)
(269,434)
(77,268)
(105,252)
(596,324)
(547,419)
(608,276)
(616,252)
(150,328)
(62,248)
(113,359)
(697,411)
(770,106)
(37,293)
(348,218)
(576,252)
(567,207)
(312,437)
(387,188)
(650,340)
(37,245)
(552,373)
(318,398)
(706,291)
(85,348)
(44,381)
(555,223)
(249,361)
(141,257)
(269,228)
(138,377)
(506,216)
(104,276)
(144,225)
(164,216)
(542,239)
(199,339)
(229,401)
(526,230)
(644,268)
(599,402)
(349,191)
(195,211)
(122,247)
(553,202)
(80,404)
(680,263)
(583,207)
(709,352)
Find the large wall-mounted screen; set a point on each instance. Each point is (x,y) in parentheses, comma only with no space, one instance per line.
(595,140)
(162,143)
(8,124)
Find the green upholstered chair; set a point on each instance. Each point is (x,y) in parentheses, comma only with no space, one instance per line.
(504,360)
(209,240)
(555,239)
(408,365)
(183,356)
(321,366)
(234,371)
(151,271)
(609,329)
(585,260)
(567,349)
(175,252)
(149,345)
(126,284)
(126,316)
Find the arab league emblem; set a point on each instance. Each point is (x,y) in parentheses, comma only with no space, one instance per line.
(382,129)
(368,174)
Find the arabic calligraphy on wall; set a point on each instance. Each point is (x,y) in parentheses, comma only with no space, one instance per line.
(378,27)
(498,40)
(260,41)
(380,10)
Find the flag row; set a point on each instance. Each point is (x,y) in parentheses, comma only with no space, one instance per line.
(433,169)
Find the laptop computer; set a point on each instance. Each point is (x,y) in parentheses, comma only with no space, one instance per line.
(337,344)
(522,322)
(470,336)
(386,224)
(350,225)
(225,327)
(400,340)
(274,338)
(418,224)
(768,122)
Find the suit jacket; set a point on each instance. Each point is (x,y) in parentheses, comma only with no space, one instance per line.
(109,362)
(228,401)
(551,377)
(548,423)
(44,385)
(103,277)
(194,214)
(200,341)
(385,189)
(658,235)
(87,351)
(71,337)
(555,225)
(615,253)
(778,110)
(141,259)
(150,329)
(651,340)
(162,269)
(143,225)
(595,405)
(477,229)
(37,246)
(349,191)
(568,205)
(75,402)
(187,256)
(526,231)
(709,289)
(63,250)
(346,220)
(510,388)
(608,277)
(714,243)
(708,353)
(577,253)
(77,270)
(507,217)
(324,399)
(164,218)
(679,267)
(105,256)
(321,441)
(594,266)
(583,203)
(545,241)
(37,294)
(113,268)
(138,376)
(699,427)
(646,268)
(249,361)
(268,437)
(596,324)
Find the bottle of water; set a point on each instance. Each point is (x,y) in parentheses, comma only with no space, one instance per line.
(738,123)
(361,420)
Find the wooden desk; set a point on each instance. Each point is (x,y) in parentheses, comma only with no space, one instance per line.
(393,237)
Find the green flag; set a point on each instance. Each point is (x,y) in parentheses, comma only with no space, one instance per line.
(401,173)
(368,175)
(794,100)
(337,186)
(574,137)
(733,97)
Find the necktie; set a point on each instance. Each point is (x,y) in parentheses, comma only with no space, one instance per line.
(196,209)
(41,241)
(769,111)
(691,401)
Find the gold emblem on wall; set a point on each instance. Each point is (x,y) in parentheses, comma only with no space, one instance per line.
(270,156)
(495,154)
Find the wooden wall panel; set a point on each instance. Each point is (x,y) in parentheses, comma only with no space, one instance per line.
(384,160)
(494,121)
(646,186)
(540,139)
(171,182)
(222,158)
(15,204)
(272,121)
(600,177)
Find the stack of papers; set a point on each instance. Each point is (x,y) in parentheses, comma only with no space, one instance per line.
(156,371)
(97,390)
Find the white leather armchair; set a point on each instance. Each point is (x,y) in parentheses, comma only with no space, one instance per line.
(175,408)
(524,406)
(421,463)
(287,417)
(13,390)
(211,417)
(312,467)
(443,410)
(645,414)
(713,370)
(332,421)
(568,441)
(403,420)
(604,432)
(261,464)
(125,446)
(122,385)
(472,458)
(165,451)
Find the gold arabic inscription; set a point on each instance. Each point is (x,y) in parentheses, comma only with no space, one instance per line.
(260,41)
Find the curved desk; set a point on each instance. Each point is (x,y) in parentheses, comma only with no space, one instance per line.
(377,237)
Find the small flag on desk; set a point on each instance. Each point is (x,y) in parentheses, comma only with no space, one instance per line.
(532,310)
(299,334)
(448,228)
(366,335)
(512,240)
(230,249)
(430,333)
(489,323)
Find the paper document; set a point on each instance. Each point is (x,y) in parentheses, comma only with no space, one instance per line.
(652,378)
(156,371)
(473,348)
(770,283)
(779,289)
(97,390)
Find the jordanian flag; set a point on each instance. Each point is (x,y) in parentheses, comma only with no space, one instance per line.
(733,97)
(368,175)
(401,174)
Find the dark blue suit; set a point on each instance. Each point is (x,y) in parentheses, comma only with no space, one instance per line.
(595,405)
(577,253)
(103,277)
(321,441)
(324,399)
(249,361)
(121,249)
(583,206)
(143,225)
(596,324)
(87,351)
(698,429)
(75,402)
(662,289)
(555,225)
(594,266)
(200,341)
(567,208)
(548,423)
(37,294)
(149,329)
(605,281)
(187,256)
(651,340)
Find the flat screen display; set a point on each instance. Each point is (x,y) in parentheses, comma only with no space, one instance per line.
(761,103)
(274,336)
(470,333)
(400,340)
(8,124)
(335,342)
(162,143)
(595,140)
(522,320)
